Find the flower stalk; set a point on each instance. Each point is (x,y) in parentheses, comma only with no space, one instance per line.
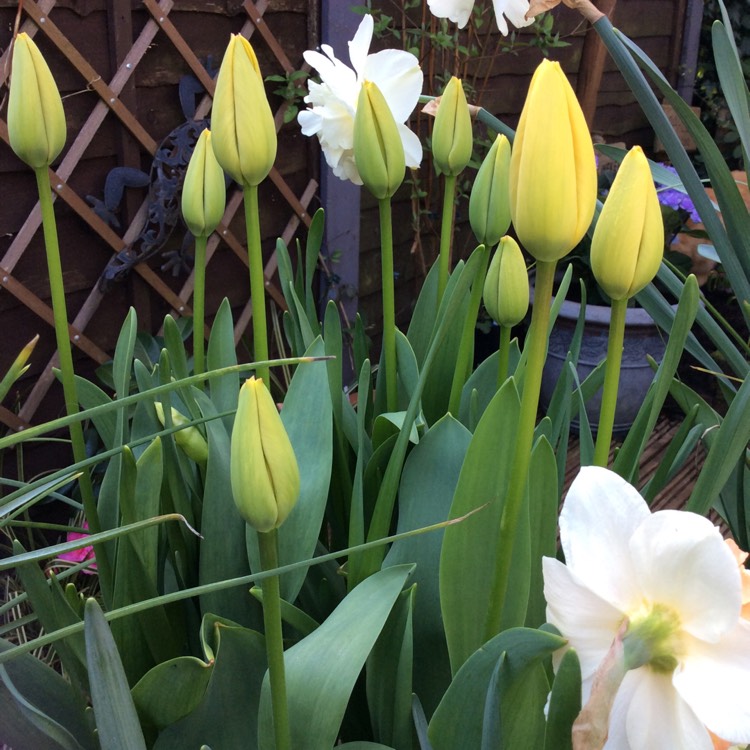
(257,281)
(446,235)
(199,307)
(389,304)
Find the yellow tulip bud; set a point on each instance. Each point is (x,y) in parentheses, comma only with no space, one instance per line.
(244,133)
(489,204)
(552,168)
(191,441)
(628,242)
(378,149)
(203,192)
(452,139)
(506,286)
(36,120)
(263,467)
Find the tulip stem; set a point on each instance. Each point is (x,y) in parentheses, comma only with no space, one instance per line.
(503,355)
(389,304)
(269,560)
(537,350)
(199,307)
(466,347)
(611,381)
(62,336)
(446,236)
(257,281)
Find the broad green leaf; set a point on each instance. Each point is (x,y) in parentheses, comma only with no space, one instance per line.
(564,703)
(116,718)
(52,708)
(408,370)
(222,353)
(90,395)
(321,670)
(427,486)
(312,252)
(469,551)
(389,675)
(363,746)
(239,663)
(457,722)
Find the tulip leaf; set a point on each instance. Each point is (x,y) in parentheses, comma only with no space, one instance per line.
(116,718)
(312,253)
(222,353)
(428,483)
(321,670)
(564,703)
(363,746)
(292,324)
(469,552)
(389,675)
(90,395)
(408,370)
(41,710)
(458,721)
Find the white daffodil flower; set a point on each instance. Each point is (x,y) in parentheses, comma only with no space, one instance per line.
(673,577)
(459,12)
(334,100)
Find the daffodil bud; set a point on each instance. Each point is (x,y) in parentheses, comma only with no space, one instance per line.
(378,150)
(628,242)
(452,139)
(552,168)
(263,467)
(189,439)
(244,133)
(489,204)
(203,192)
(506,286)
(36,120)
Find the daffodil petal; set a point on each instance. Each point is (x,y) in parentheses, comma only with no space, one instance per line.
(360,45)
(457,11)
(399,78)
(514,10)
(412,146)
(600,514)
(714,681)
(587,620)
(681,561)
(657,717)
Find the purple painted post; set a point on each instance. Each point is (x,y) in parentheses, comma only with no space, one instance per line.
(340,198)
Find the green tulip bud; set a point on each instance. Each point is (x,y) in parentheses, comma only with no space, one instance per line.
(489,204)
(506,286)
(244,133)
(378,149)
(452,139)
(552,179)
(628,242)
(36,119)
(189,439)
(203,192)
(263,467)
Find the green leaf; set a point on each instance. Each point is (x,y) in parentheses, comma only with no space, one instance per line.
(90,395)
(458,721)
(564,703)
(428,483)
(321,669)
(312,251)
(41,711)
(222,353)
(116,718)
(469,552)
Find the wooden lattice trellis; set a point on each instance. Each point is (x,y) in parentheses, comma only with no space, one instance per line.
(40,18)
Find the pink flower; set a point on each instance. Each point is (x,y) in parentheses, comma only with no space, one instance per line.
(78,555)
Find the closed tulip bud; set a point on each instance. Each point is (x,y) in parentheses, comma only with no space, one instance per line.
(191,441)
(263,467)
(36,120)
(203,192)
(489,204)
(506,287)
(244,133)
(552,168)
(628,242)
(378,149)
(452,139)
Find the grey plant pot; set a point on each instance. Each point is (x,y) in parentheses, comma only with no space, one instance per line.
(642,337)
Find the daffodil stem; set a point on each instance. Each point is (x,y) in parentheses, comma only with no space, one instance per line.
(503,355)
(60,312)
(389,304)
(466,347)
(537,351)
(269,559)
(446,236)
(199,306)
(611,381)
(257,281)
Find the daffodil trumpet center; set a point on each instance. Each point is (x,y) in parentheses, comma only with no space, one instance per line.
(653,638)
